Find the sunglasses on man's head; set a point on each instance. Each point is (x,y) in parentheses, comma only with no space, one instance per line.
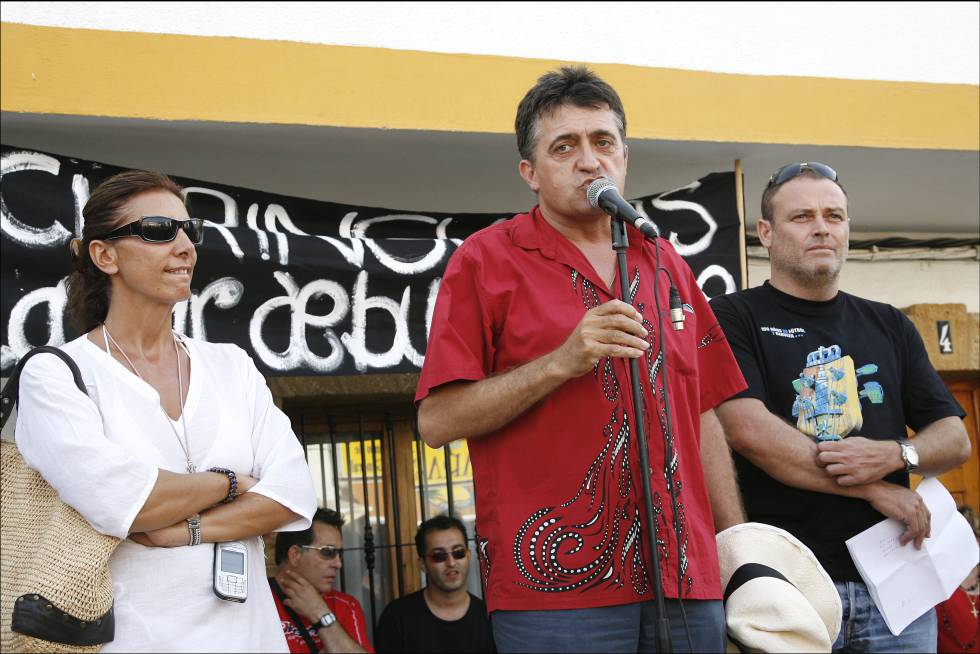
(790,171)
(329,552)
(158,229)
(438,556)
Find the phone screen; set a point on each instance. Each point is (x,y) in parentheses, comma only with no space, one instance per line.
(232,562)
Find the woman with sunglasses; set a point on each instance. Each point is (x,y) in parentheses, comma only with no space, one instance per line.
(177,445)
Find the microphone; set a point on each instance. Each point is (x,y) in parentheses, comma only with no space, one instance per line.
(603,194)
(677,316)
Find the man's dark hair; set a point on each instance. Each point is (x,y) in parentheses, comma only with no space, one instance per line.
(770,191)
(437,523)
(287,539)
(575,85)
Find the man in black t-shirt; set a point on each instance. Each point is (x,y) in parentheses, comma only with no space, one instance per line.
(833,381)
(444,616)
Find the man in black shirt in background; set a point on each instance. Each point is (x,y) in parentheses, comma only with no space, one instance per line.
(444,616)
(822,365)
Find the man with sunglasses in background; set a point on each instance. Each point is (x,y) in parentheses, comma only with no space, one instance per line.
(444,616)
(805,349)
(316,617)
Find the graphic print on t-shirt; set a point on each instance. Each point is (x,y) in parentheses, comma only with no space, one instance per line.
(828,404)
(794,332)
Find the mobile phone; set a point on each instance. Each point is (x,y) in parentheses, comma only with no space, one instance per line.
(231,571)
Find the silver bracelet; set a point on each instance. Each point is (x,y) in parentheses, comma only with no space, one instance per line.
(194,527)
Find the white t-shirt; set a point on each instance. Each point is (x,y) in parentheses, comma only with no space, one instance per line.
(102,453)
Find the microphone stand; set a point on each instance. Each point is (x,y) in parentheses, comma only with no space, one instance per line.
(661,628)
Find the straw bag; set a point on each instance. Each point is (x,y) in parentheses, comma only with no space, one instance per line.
(55,588)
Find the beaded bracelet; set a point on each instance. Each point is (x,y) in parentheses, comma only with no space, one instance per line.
(232,483)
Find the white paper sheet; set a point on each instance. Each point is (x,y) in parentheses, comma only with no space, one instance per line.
(905,582)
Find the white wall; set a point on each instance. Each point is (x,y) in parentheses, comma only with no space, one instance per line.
(902,283)
(916,41)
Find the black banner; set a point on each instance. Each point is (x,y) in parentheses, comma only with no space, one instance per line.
(306,287)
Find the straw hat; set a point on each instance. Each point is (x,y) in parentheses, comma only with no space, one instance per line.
(778,598)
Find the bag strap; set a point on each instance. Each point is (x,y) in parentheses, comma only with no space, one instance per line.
(293,616)
(8,397)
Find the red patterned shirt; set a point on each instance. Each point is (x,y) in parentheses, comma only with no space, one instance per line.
(559,497)
(349,614)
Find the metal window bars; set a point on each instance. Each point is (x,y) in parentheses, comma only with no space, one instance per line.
(354,459)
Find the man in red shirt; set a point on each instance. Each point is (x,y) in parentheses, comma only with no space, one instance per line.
(315,617)
(528,358)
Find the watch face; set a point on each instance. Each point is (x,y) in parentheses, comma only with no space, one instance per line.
(910,456)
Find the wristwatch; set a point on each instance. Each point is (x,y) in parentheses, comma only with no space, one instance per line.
(909,456)
(326,620)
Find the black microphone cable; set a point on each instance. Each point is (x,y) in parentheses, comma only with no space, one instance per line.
(668,432)
(613,204)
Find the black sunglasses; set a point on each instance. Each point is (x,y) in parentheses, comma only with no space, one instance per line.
(438,556)
(329,552)
(158,229)
(790,171)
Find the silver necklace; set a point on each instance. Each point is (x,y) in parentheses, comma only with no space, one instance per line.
(184,444)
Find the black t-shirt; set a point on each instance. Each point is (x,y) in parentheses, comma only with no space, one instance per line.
(772,335)
(407,625)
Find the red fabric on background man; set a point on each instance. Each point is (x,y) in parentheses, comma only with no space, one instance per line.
(558,496)
(958,629)
(349,614)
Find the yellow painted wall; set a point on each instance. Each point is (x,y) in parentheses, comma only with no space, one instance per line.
(172,77)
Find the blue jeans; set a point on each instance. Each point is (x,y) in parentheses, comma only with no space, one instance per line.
(864,630)
(622,628)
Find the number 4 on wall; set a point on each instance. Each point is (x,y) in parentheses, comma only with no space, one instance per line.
(945,337)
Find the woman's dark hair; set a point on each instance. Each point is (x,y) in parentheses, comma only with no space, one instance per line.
(88,287)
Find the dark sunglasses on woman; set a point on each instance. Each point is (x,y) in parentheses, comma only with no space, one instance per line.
(158,229)
(438,556)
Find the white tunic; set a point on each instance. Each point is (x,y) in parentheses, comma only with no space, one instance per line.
(102,452)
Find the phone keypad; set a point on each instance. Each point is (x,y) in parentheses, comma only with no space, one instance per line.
(231,585)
